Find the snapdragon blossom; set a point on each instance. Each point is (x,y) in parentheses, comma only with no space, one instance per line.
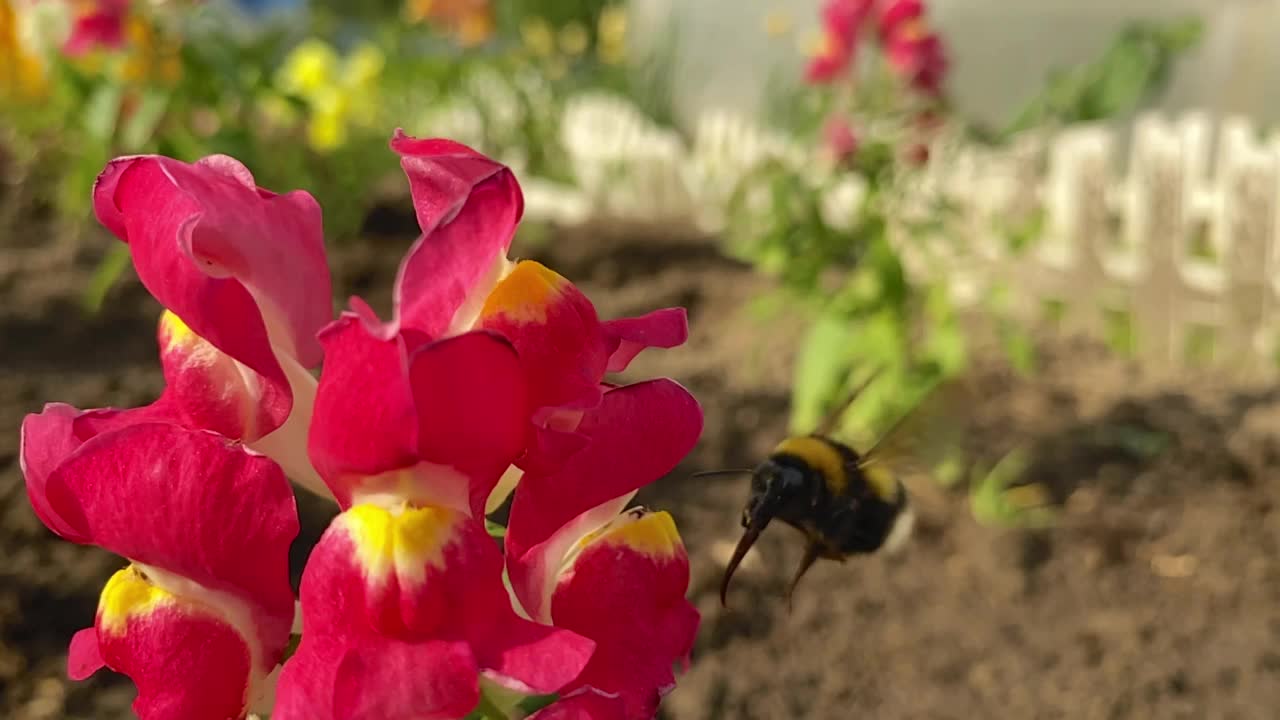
(490,374)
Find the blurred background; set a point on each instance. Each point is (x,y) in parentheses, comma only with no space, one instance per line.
(1066,210)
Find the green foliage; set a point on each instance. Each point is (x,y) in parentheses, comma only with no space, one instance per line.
(997,499)
(866,314)
(1133,70)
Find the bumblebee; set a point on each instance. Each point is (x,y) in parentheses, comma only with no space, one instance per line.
(843,502)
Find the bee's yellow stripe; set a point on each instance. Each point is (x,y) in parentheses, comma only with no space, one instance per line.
(821,456)
(881,480)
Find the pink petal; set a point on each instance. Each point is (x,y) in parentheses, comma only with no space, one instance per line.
(473,408)
(534,572)
(526,656)
(215,514)
(364,422)
(468,207)
(626,590)
(896,14)
(636,435)
(666,328)
(556,331)
(49,438)
(211,390)
(585,703)
(84,658)
(826,68)
(377,678)
(231,260)
(433,680)
(457,407)
(187,663)
(429,573)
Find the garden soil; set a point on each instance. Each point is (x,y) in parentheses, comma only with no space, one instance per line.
(1157,596)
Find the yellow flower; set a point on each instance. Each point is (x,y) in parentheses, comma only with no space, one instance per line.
(309,68)
(573,39)
(326,131)
(21,72)
(611,35)
(538,37)
(328,126)
(363,66)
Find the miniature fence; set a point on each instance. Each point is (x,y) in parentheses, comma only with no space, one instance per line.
(1174,256)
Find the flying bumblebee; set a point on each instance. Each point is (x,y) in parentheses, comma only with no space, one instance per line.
(843,502)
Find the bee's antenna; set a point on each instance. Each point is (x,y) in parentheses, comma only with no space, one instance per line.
(726,471)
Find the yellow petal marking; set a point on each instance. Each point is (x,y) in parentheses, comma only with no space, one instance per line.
(525,293)
(406,543)
(128,594)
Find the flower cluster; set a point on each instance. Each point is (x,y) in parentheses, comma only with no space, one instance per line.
(487,383)
(899,26)
(914,54)
(339,92)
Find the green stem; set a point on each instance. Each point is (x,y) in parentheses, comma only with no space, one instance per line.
(489,710)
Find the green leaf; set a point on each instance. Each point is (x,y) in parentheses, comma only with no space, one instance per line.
(102,110)
(140,126)
(495,530)
(534,703)
(105,277)
(822,368)
(995,501)
(1130,73)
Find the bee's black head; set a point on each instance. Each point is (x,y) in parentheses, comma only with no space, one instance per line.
(773,483)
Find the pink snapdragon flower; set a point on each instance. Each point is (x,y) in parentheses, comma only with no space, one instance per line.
(243,276)
(201,616)
(842,24)
(914,50)
(487,370)
(458,277)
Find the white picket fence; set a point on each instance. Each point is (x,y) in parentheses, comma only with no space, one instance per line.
(1177,247)
(1173,247)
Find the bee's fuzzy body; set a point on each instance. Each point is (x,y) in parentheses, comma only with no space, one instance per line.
(846,506)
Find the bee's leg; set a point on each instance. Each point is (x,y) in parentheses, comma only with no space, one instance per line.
(811,553)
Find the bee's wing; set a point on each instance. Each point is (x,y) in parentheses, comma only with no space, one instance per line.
(832,420)
(926,445)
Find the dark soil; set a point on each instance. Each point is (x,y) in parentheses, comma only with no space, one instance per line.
(1157,597)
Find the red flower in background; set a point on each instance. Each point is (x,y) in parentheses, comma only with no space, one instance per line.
(842,23)
(914,50)
(96,24)
(840,140)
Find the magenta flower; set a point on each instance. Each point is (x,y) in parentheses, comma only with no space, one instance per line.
(577,561)
(488,370)
(243,275)
(206,594)
(912,49)
(842,24)
(97,24)
(841,142)
(457,277)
